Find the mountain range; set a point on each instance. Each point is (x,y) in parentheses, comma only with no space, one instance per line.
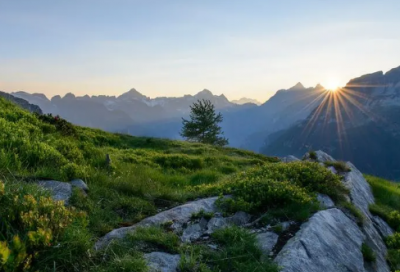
(292,121)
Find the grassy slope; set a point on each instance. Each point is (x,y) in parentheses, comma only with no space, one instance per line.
(387,206)
(145,175)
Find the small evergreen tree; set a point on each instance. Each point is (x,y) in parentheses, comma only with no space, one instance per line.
(203,124)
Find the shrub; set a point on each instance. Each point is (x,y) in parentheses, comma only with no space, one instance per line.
(63,126)
(201,214)
(393,244)
(179,161)
(30,223)
(339,166)
(368,253)
(313,155)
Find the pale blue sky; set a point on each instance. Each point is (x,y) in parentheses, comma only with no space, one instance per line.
(173,47)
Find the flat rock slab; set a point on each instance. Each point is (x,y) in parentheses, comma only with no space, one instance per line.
(179,215)
(60,191)
(162,262)
(328,242)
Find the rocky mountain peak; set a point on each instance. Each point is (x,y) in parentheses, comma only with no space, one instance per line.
(204,94)
(319,87)
(298,86)
(132,94)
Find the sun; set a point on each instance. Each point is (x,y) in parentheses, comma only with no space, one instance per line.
(332,85)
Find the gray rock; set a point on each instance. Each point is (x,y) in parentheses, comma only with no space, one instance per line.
(325,201)
(192,233)
(239,219)
(266,241)
(162,262)
(329,242)
(383,228)
(290,158)
(321,156)
(332,169)
(80,184)
(361,196)
(60,191)
(216,223)
(203,223)
(179,215)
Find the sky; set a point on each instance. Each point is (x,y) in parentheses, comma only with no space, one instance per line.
(246,48)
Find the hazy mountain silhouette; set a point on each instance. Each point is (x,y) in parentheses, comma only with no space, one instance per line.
(363,127)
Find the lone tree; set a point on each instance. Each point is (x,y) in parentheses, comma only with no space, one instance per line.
(203,124)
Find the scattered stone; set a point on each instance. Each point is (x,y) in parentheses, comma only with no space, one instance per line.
(203,223)
(239,219)
(329,241)
(191,233)
(80,184)
(60,191)
(162,262)
(267,241)
(213,246)
(325,201)
(216,223)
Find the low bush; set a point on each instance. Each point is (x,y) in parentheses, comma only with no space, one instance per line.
(30,224)
(340,166)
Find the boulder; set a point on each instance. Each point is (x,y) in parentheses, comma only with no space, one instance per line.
(329,242)
(325,201)
(178,215)
(162,262)
(60,191)
(266,241)
(80,184)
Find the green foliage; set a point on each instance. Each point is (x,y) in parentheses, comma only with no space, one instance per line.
(280,188)
(387,206)
(368,253)
(393,245)
(358,215)
(61,125)
(203,124)
(201,214)
(153,239)
(30,223)
(313,155)
(340,166)
(239,252)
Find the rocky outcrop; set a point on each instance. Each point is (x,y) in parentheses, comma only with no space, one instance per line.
(178,216)
(22,103)
(290,158)
(162,262)
(361,196)
(331,241)
(328,242)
